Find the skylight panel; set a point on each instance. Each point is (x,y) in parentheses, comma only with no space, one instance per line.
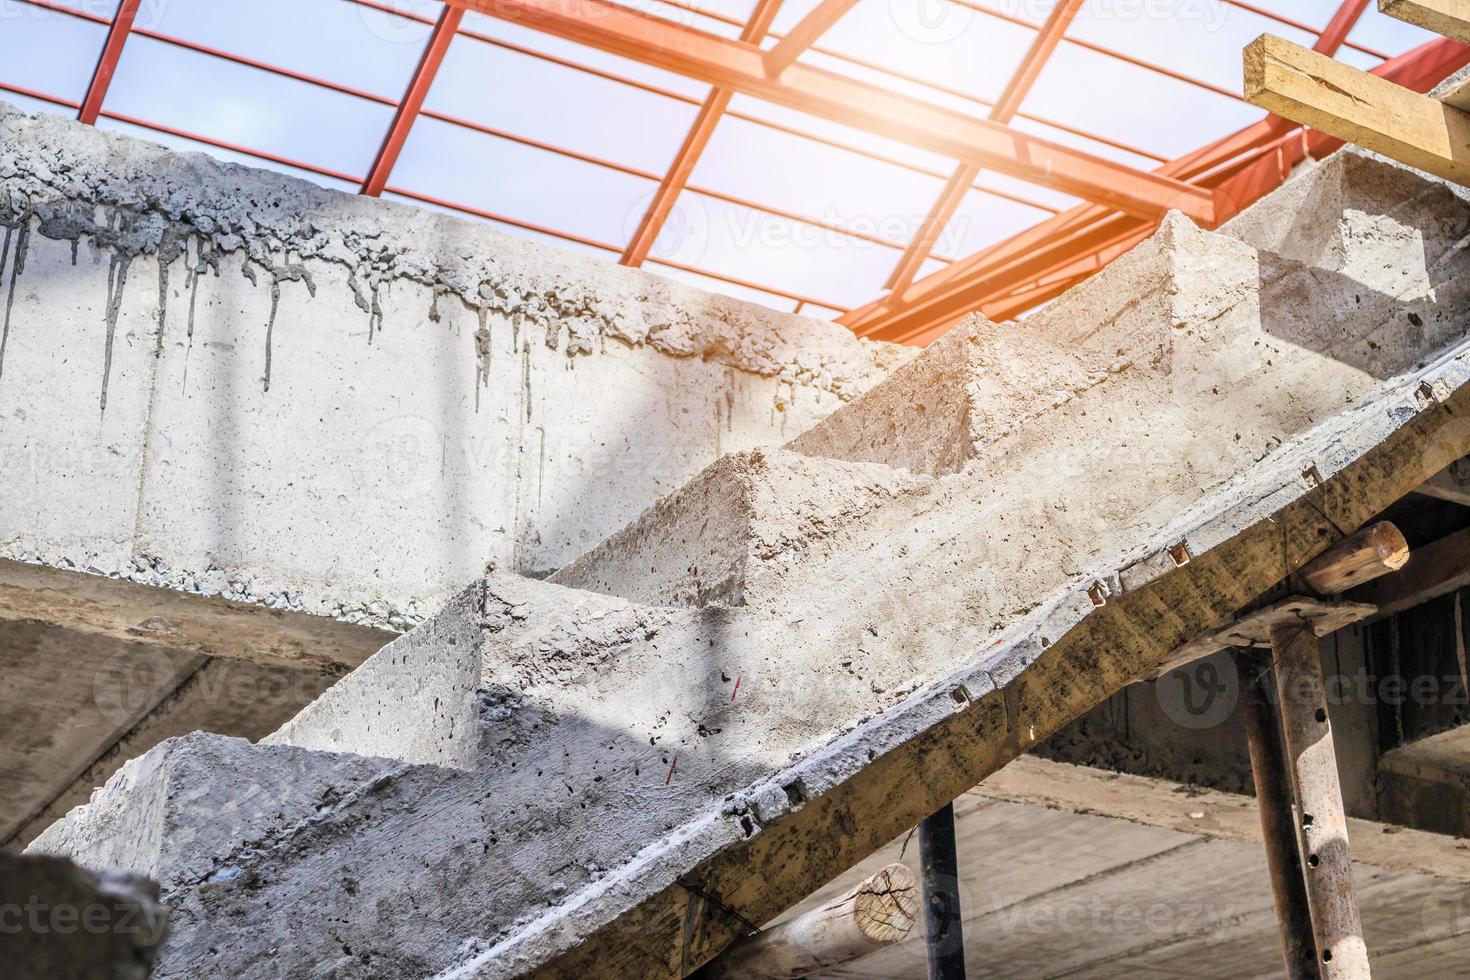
(819,182)
(778,253)
(521,182)
(47,52)
(935,40)
(560,106)
(1092,91)
(221,100)
(1200,40)
(582,55)
(338,40)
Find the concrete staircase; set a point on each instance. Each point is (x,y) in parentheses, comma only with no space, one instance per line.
(780,667)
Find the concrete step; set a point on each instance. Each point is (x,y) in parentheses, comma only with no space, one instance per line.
(737,532)
(181,811)
(1366,217)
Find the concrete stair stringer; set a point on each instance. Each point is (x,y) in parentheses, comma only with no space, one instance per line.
(960,623)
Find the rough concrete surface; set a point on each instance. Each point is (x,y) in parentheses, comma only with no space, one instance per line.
(648,780)
(232,383)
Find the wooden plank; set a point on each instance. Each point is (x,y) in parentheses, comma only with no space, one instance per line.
(1206,812)
(1334,98)
(1458,97)
(1251,630)
(1448,17)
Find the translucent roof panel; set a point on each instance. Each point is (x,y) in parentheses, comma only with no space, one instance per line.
(248,107)
(815,181)
(559,142)
(46,52)
(940,42)
(369,50)
(521,182)
(1089,90)
(554,104)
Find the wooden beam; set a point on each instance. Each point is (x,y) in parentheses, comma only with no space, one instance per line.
(739,66)
(805,34)
(1371,553)
(1353,105)
(879,912)
(1448,17)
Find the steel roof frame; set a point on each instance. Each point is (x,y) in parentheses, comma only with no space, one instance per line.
(1004,279)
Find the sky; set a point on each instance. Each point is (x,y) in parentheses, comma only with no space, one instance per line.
(834,212)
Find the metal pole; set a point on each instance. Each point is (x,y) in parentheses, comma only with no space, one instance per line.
(1272,777)
(1336,925)
(939,868)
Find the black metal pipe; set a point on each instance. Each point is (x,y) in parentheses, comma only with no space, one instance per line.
(940,872)
(1272,776)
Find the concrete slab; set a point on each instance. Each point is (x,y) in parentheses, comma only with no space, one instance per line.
(229,383)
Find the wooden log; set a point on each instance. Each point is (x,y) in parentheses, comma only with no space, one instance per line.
(1372,552)
(1327,95)
(1448,17)
(877,913)
(1435,569)
(1327,868)
(1272,777)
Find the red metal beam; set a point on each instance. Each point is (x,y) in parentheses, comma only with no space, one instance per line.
(805,34)
(1004,111)
(693,147)
(413,99)
(117,37)
(1074,238)
(1334,35)
(741,67)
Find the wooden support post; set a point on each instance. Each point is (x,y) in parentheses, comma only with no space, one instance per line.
(1272,777)
(877,913)
(939,862)
(1328,871)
